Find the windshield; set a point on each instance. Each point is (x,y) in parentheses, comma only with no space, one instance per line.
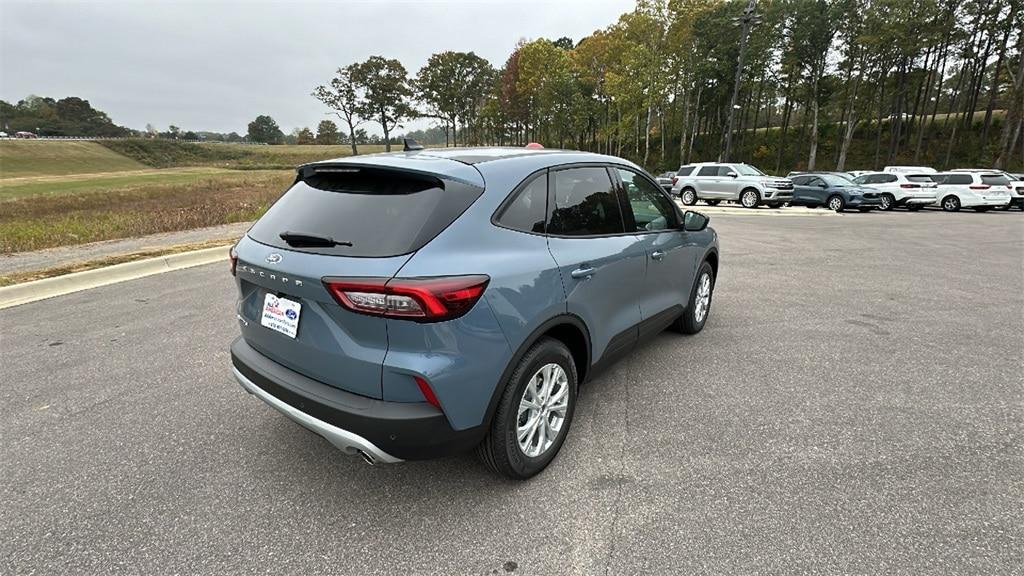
(747,170)
(835,179)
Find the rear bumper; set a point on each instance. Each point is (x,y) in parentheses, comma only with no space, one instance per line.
(386,432)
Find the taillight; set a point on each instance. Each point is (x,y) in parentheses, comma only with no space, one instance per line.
(674,180)
(910,185)
(980,186)
(419,299)
(233,255)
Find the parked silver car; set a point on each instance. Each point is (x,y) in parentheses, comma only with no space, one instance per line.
(714,182)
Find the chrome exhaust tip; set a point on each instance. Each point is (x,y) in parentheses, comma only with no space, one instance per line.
(366,457)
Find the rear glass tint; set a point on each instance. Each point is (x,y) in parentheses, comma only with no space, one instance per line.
(955,179)
(995,180)
(685,170)
(380,212)
(920,178)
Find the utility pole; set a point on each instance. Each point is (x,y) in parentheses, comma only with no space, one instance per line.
(746,21)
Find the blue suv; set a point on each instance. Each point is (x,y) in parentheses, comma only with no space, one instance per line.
(415,304)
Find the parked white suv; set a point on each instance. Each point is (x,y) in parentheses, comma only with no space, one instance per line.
(910,169)
(979,190)
(714,182)
(1016,185)
(915,191)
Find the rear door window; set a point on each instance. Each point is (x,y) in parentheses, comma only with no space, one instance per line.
(920,178)
(363,211)
(957,179)
(527,209)
(708,171)
(584,203)
(685,170)
(651,210)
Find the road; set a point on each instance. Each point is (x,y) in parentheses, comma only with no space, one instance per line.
(854,405)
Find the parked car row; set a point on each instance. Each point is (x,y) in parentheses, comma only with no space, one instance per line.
(910,187)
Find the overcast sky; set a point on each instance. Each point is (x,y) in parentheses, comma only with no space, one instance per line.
(217,65)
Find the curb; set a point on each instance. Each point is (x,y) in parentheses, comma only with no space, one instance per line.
(60,285)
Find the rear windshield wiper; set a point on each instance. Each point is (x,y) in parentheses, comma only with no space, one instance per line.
(300,239)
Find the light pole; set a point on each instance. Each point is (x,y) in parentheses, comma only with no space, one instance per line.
(747,20)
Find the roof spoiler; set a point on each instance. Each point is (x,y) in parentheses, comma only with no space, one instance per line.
(411,145)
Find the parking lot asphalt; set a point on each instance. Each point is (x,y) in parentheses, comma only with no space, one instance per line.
(854,405)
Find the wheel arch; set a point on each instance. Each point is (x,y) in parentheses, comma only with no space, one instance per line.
(566,328)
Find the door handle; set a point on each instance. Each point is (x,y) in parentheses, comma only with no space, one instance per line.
(582,273)
(658,255)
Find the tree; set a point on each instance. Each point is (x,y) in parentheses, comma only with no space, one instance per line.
(305,136)
(343,97)
(386,93)
(327,132)
(453,84)
(265,131)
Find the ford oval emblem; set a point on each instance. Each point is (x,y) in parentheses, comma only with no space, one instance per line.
(273,258)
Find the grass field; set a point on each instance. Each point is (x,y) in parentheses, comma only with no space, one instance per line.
(58,193)
(168,154)
(32,222)
(20,158)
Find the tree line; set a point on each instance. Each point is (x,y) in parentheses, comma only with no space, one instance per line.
(826,84)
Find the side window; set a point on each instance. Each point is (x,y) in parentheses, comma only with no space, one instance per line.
(814,181)
(862,180)
(584,204)
(708,171)
(651,209)
(685,170)
(799,180)
(886,178)
(527,209)
(724,170)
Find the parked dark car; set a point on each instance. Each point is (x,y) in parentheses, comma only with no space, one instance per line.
(834,191)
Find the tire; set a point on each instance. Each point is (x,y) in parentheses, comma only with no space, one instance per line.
(712,202)
(951,204)
(688,196)
(750,198)
(500,449)
(836,203)
(888,202)
(689,323)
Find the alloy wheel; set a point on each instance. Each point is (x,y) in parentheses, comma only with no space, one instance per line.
(886,202)
(951,204)
(689,198)
(542,410)
(836,203)
(703,300)
(749,199)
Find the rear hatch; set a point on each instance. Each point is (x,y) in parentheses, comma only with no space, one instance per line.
(342,220)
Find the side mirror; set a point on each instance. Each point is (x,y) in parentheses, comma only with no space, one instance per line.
(695,221)
(732,175)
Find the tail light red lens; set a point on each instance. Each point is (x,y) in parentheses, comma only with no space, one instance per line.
(428,394)
(674,180)
(980,187)
(910,185)
(233,255)
(419,299)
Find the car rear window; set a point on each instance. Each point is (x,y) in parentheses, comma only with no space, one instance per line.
(995,180)
(926,178)
(380,212)
(685,170)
